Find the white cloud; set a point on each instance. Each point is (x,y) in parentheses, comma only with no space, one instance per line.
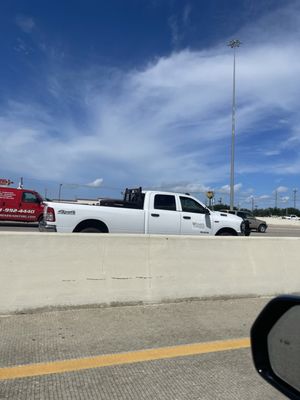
(284,199)
(175,35)
(25,23)
(281,189)
(226,188)
(249,199)
(186,14)
(272,153)
(184,187)
(96,183)
(22,47)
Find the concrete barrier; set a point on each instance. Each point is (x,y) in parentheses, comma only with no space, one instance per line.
(50,270)
(280,221)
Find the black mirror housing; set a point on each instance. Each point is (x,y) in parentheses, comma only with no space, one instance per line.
(274,318)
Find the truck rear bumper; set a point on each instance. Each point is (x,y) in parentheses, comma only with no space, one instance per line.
(44,227)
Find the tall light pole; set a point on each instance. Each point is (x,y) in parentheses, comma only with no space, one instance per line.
(59,191)
(295,192)
(233,44)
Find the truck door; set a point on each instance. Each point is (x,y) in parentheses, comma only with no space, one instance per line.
(30,206)
(194,218)
(163,217)
(9,199)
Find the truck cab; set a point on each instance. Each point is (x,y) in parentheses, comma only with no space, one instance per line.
(20,205)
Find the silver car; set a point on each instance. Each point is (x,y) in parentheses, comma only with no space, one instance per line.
(255,224)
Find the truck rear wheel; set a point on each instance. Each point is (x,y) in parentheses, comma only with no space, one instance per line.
(91,230)
(91,226)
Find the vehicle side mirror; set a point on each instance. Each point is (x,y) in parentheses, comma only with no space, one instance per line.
(207,211)
(275,343)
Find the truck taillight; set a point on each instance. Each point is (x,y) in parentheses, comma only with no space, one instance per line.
(50,214)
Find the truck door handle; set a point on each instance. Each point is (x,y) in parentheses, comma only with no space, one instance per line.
(186,217)
(154,215)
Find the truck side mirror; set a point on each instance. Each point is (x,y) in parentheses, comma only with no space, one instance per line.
(275,343)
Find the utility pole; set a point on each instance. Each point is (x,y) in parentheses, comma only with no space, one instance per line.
(233,44)
(295,193)
(59,191)
(21,183)
(276,198)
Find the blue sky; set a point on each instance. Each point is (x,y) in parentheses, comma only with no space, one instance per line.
(103,95)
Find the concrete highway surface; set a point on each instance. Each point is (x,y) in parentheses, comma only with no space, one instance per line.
(184,351)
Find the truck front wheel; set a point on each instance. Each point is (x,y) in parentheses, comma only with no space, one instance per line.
(226,232)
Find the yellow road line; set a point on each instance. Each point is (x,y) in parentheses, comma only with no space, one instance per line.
(55,367)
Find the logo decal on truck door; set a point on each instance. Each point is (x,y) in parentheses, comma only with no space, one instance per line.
(66,212)
(197,225)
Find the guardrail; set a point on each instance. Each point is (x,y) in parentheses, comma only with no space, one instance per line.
(52,270)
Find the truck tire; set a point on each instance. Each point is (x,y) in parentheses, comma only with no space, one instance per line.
(91,226)
(226,232)
(91,230)
(262,228)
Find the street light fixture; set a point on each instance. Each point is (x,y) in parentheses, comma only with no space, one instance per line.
(233,44)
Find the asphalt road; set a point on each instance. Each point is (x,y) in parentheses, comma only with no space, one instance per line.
(272,231)
(279,231)
(61,354)
(18,227)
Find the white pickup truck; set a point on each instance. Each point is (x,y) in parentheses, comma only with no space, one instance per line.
(291,217)
(147,212)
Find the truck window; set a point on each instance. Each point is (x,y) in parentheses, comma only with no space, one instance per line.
(29,198)
(190,205)
(164,202)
